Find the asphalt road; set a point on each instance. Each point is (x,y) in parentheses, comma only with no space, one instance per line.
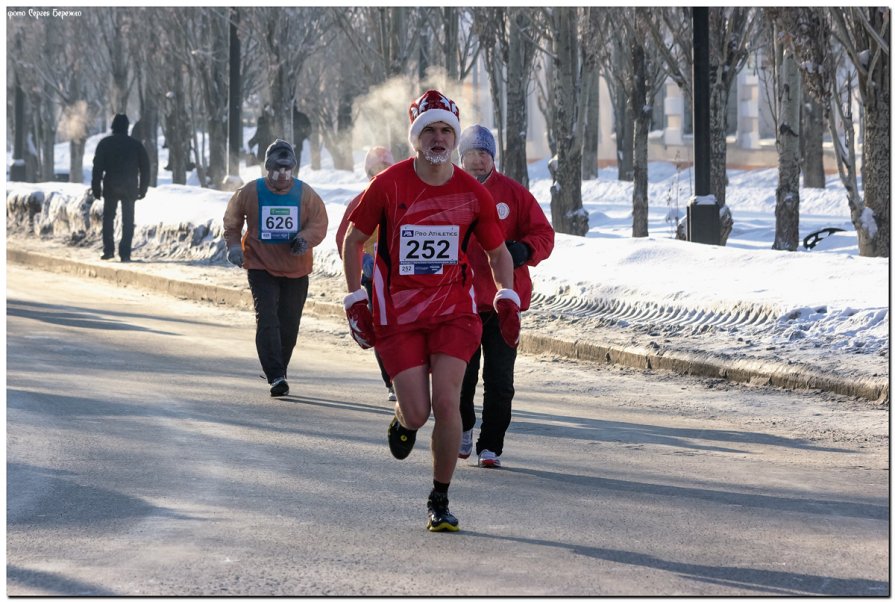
(145,458)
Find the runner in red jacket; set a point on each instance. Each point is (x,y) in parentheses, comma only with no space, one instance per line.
(529,238)
(378,159)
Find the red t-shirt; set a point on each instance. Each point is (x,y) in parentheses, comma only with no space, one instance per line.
(421,270)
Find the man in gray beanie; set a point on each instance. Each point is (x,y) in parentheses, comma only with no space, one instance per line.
(529,239)
(284,220)
(477,137)
(120,175)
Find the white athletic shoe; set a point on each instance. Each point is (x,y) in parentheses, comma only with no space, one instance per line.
(466,444)
(488,459)
(391,394)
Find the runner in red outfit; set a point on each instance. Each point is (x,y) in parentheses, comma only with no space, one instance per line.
(424,319)
(529,239)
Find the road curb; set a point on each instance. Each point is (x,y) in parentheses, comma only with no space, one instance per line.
(798,377)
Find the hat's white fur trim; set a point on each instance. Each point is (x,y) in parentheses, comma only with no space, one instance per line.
(429,117)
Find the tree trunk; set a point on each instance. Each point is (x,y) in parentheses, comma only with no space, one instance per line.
(281,98)
(424,51)
(20,127)
(394,33)
(642,119)
(177,134)
(811,137)
(235,96)
(46,128)
(590,87)
(216,99)
(120,59)
(314,140)
(876,166)
(147,133)
(786,237)
(150,141)
(76,160)
(569,216)
(451,43)
(515,163)
(340,146)
(495,79)
(718,98)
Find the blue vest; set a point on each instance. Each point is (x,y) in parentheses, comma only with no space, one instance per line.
(279,215)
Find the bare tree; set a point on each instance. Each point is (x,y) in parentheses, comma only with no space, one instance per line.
(594,52)
(568,213)
(36,107)
(641,86)
(863,33)
(383,40)
(452,46)
(208,43)
(617,65)
(811,140)
(150,69)
(75,78)
(510,38)
(115,28)
(288,37)
(234,94)
(789,100)
(337,80)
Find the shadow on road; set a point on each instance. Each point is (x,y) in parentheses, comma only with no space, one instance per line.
(49,582)
(69,315)
(611,431)
(827,508)
(42,497)
(759,580)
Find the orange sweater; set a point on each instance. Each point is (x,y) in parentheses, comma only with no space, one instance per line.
(276,259)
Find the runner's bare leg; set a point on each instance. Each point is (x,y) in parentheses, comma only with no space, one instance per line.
(447,377)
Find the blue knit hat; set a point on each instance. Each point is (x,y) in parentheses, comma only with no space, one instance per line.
(476,137)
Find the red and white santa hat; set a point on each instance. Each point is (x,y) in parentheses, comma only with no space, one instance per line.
(429,108)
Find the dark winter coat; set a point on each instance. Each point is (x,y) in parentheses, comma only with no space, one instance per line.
(121,165)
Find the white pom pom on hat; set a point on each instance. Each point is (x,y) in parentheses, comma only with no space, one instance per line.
(431,107)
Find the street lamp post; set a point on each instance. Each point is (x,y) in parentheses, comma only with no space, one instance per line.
(703,212)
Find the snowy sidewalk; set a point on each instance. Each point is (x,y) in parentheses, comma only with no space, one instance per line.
(634,335)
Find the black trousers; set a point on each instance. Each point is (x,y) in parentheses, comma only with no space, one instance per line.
(279,302)
(110,207)
(497,380)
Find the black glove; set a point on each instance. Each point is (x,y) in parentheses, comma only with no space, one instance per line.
(299,245)
(96,194)
(235,256)
(519,251)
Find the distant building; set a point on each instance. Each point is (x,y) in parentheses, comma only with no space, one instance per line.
(750,142)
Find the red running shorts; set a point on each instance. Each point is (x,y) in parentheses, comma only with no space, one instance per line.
(411,345)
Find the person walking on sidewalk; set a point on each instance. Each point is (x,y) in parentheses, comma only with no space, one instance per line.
(284,219)
(120,175)
(378,158)
(424,318)
(529,239)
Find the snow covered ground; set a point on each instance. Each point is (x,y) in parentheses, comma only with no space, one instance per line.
(825,307)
